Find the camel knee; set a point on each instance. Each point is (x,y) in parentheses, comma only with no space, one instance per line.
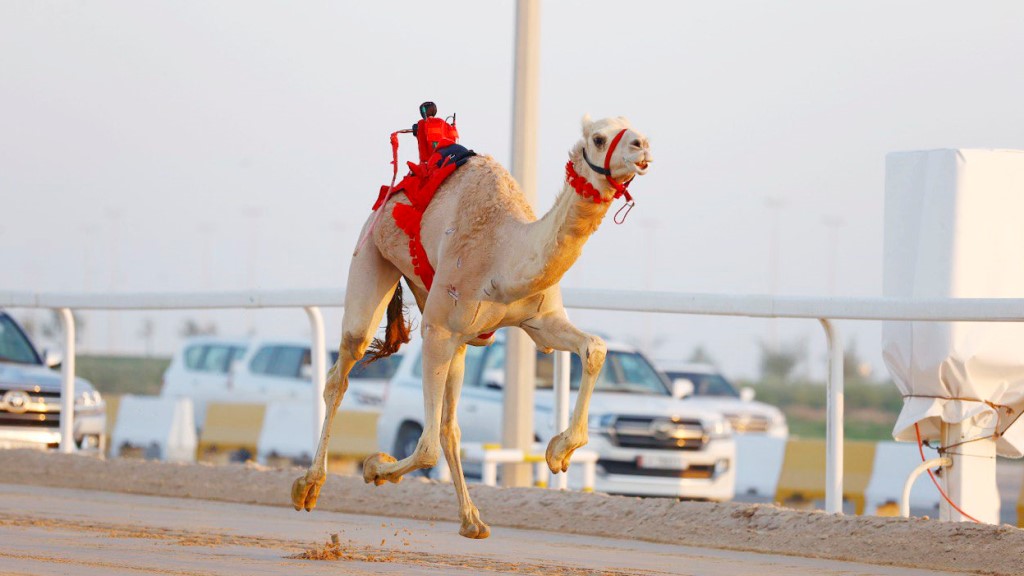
(354,344)
(428,453)
(594,353)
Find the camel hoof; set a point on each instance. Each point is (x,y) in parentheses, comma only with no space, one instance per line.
(475,530)
(373,469)
(559,453)
(305,491)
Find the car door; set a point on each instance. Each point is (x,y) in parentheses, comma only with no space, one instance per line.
(480,408)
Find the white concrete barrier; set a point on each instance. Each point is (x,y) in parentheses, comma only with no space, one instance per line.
(490,455)
(758,464)
(155,428)
(285,432)
(894,461)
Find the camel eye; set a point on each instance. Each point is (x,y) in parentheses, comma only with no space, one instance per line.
(599,141)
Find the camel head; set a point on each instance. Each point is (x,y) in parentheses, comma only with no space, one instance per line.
(630,157)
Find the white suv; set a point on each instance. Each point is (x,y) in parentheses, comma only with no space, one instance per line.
(213,369)
(648,442)
(706,388)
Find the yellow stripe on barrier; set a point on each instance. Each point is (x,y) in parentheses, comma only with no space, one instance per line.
(353,434)
(113,404)
(803,472)
(1020,508)
(230,430)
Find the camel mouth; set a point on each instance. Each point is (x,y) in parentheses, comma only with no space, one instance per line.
(641,166)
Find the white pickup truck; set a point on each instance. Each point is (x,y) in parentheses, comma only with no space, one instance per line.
(648,442)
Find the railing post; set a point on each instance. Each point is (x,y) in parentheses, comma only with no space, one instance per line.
(67,382)
(560,382)
(834,421)
(319,370)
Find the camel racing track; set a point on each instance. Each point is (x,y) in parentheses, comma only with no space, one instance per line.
(71,514)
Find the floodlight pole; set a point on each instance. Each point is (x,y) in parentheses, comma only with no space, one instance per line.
(520,359)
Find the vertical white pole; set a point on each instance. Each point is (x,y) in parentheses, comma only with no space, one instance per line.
(971,479)
(520,359)
(834,422)
(319,370)
(561,385)
(67,382)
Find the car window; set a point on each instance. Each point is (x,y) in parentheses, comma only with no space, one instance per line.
(261,361)
(287,361)
(236,354)
(216,359)
(382,369)
(707,384)
(14,346)
(194,356)
(622,372)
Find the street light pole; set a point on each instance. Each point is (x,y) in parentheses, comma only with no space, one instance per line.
(520,359)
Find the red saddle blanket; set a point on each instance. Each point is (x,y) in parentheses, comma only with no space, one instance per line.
(419,186)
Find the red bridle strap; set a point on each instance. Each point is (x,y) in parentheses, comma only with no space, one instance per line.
(620,189)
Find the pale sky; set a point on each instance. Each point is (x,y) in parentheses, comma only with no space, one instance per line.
(181,146)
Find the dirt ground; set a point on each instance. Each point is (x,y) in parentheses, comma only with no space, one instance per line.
(916,542)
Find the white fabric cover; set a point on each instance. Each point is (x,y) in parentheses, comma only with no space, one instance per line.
(954,227)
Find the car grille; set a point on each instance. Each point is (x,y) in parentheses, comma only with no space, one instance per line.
(744,423)
(29,409)
(697,472)
(658,433)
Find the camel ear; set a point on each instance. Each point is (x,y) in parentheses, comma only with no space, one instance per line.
(586,123)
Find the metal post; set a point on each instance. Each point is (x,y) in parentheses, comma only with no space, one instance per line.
(909,484)
(970,478)
(318,367)
(561,415)
(834,424)
(520,359)
(67,382)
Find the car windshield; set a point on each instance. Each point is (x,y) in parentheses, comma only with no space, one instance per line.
(707,384)
(622,372)
(14,346)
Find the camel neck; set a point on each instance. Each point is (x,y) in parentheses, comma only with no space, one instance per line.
(555,242)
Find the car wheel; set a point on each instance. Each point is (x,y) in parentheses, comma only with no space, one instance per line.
(405,445)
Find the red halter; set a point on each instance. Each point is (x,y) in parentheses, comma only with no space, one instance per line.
(585,189)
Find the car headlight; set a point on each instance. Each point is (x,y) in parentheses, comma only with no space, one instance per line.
(88,399)
(720,429)
(600,422)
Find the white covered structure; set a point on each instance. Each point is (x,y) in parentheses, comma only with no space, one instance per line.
(953,230)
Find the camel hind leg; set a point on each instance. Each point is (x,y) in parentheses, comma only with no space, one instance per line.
(372,281)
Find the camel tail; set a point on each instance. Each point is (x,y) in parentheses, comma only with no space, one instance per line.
(395,334)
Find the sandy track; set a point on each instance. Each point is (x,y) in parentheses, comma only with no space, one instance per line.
(757,528)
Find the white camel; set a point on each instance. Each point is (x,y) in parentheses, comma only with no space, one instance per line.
(496,265)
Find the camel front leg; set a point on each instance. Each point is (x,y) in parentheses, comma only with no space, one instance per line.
(439,347)
(451,435)
(554,331)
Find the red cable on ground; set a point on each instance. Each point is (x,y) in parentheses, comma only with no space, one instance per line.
(920,448)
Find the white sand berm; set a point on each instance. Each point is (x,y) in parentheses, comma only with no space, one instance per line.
(916,542)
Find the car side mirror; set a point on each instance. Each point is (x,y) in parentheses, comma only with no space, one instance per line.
(681,388)
(52,358)
(747,394)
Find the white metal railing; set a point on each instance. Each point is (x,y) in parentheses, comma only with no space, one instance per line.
(825,310)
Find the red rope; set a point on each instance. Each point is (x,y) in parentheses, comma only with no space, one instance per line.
(920,448)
